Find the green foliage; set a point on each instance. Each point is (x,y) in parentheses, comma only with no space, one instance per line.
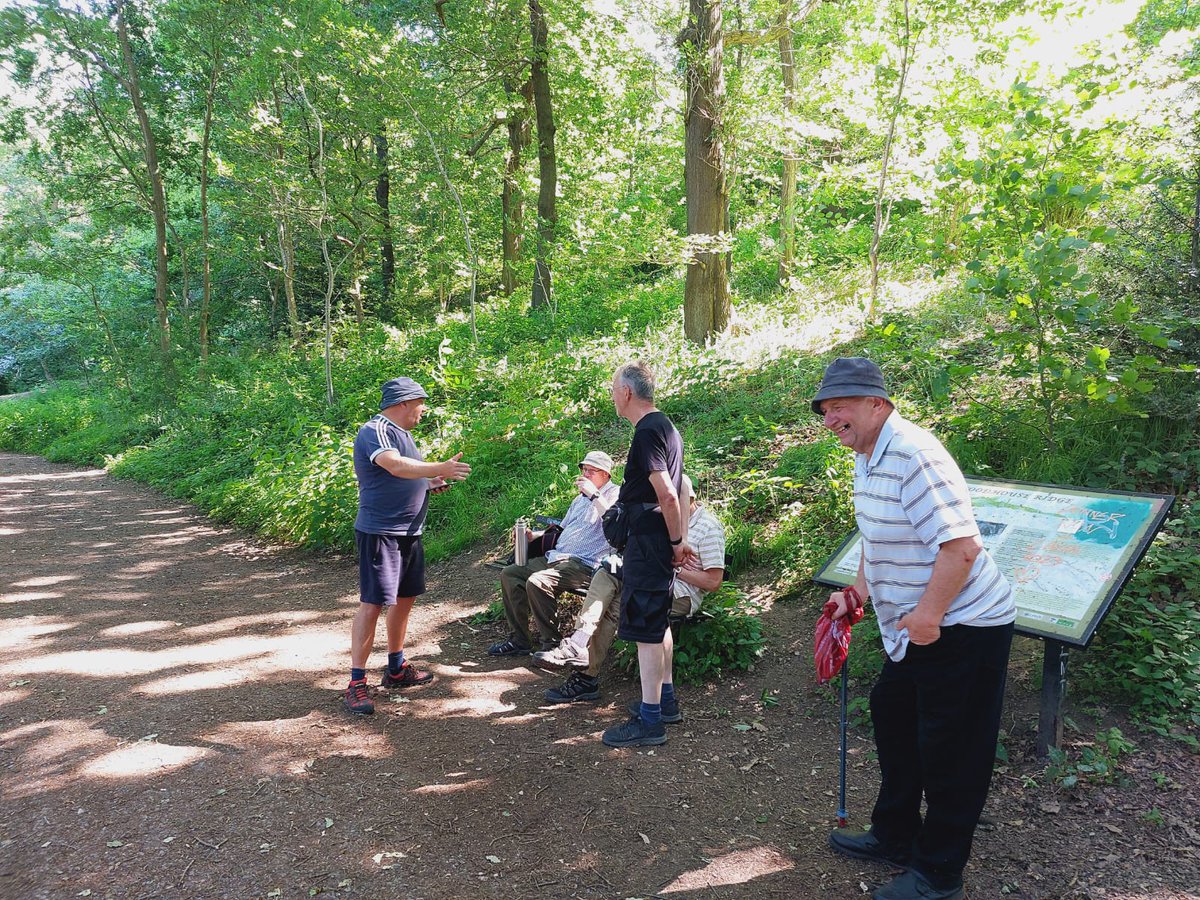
(1096,763)
(1148,647)
(1035,191)
(491,614)
(726,636)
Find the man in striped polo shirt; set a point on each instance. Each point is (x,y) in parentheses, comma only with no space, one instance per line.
(946,618)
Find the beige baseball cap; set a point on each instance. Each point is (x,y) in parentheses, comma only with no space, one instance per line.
(598,459)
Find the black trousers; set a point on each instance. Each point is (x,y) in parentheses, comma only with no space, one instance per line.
(937,716)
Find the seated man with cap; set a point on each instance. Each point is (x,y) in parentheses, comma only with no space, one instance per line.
(536,585)
(596,625)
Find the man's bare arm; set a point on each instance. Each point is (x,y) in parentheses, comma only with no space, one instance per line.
(951,567)
(708,580)
(405,467)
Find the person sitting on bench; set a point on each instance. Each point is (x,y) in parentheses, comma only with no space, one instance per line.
(568,567)
(596,626)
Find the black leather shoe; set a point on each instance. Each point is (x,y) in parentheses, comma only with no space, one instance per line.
(864,845)
(912,885)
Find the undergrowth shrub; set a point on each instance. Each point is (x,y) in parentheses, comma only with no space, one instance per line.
(1147,650)
(726,636)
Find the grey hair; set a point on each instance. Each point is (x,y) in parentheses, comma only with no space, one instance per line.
(638,378)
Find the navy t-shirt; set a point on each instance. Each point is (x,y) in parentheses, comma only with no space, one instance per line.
(387,504)
(656,447)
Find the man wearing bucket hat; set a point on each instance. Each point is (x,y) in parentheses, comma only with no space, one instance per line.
(535,586)
(946,619)
(394,484)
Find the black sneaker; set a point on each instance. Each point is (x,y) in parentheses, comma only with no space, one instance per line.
(671,714)
(577,687)
(912,885)
(635,733)
(357,700)
(508,648)
(408,676)
(864,845)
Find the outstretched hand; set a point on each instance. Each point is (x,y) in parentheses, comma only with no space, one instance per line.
(455,470)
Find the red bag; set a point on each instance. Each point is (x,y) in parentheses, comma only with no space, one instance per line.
(831,642)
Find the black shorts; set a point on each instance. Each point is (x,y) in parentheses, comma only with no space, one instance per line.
(645,615)
(389,566)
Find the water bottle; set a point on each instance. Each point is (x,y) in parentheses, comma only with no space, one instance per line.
(521,542)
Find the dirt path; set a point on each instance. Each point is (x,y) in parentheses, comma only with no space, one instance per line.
(170,727)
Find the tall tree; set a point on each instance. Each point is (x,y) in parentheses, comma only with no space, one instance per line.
(383,198)
(106,94)
(706,302)
(883,218)
(539,77)
(158,195)
(512,202)
(787,187)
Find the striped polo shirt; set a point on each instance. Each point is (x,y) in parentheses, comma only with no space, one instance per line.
(910,498)
(706,535)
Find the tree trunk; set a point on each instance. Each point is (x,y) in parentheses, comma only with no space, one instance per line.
(287,260)
(787,192)
(206,264)
(881,221)
(387,255)
(108,336)
(158,197)
(511,202)
(706,304)
(1194,274)
(287,247)
(539,77)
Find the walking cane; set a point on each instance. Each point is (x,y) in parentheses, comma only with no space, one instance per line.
(830,649)
(841,813)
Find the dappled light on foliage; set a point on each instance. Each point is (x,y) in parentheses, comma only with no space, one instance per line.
(224,225)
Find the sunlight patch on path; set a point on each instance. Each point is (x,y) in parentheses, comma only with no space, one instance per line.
(29,596)
(19,631)
(52,476)
(235,660)
(45,580)
(732,868)
(143,759)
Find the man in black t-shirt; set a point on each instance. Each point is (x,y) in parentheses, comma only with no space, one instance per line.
(657,547)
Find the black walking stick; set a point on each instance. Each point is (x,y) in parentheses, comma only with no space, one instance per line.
(831,647)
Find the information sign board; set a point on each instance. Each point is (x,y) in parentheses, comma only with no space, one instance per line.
(1066,551)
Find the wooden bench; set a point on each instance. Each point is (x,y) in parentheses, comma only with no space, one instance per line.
(677,620)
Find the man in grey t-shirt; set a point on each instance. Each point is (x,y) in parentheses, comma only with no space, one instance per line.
(394,483)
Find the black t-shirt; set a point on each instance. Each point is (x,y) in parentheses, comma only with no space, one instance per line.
(656,447)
